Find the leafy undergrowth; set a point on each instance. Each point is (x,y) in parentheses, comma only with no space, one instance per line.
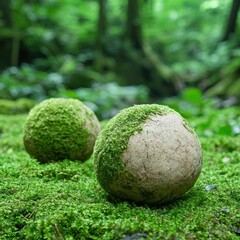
(64,201)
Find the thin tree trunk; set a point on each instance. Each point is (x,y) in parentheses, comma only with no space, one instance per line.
(15,48)
(5,12)
(134,29)
(138,64)
(5,34)
(102,25)
(101,34)
(232,20)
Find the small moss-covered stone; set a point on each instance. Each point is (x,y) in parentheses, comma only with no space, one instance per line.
(148,154)
(60,128)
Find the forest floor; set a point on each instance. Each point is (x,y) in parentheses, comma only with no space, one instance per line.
(63,200)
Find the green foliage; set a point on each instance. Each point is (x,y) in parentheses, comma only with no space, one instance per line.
(107,99)
(192,104)
(188,36)
(226,81)
(27,82)
(59,37)
(193,96)
(63,49)
(64,201)
(43,24)
(189,103)
(224,122)
(85,84)
(22,105)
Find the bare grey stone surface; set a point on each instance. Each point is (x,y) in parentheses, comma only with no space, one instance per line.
(211,187)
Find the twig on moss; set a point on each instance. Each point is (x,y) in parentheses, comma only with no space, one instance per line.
(58,231)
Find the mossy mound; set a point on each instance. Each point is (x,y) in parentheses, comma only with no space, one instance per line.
(42,201)
(142,152)
(11,107)
(60,128)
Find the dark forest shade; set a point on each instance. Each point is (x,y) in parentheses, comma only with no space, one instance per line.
(232,20)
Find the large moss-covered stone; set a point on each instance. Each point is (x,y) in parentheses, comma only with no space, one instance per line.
(148,154)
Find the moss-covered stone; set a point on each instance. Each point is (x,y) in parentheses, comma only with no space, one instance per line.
(113,139)
(130,167)
(60,128)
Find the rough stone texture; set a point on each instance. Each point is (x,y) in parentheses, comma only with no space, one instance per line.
(162,162)
(113,139)
(61,128)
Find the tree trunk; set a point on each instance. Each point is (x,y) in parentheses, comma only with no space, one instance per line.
(102,25)
(232,20)
(5,34)
(101,35)
(5,12)
(134,29)
(137,63)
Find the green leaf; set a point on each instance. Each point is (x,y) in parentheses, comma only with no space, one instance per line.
(192,95)
(225,130)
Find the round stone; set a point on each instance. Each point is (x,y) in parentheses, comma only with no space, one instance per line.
(60,128)
(148,154)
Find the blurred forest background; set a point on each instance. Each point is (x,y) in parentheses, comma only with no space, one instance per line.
(114,53)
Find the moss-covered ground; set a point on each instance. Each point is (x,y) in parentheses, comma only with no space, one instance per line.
(64,201)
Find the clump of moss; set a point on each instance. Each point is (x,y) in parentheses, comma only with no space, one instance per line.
(63,200)
(113,139)
(59,128)
(220,143)
(10,107)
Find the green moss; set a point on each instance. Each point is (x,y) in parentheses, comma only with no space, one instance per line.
(113,139)
(57,129)
(63,199)
(11,127)
(221,143)
(11,107)
(25,104)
